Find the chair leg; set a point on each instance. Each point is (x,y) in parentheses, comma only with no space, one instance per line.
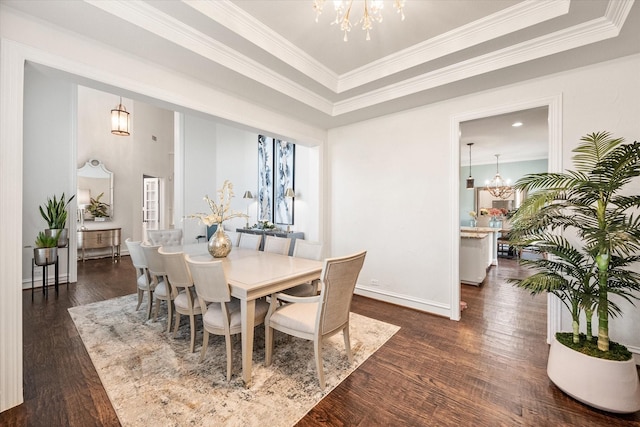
(192,325)
(155,311)
(140,295)
(268,344)
(317,350)
(176,325)
(205,341)
(150,305)
(347,343)
(169,314)
(227,340)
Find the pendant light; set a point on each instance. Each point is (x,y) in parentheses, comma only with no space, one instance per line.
(498,187)
(470,180)
(120,120)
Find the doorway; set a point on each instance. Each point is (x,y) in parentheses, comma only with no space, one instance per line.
(151,204)
(554,164)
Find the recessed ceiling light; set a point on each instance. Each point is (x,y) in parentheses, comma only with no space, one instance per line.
(517,124)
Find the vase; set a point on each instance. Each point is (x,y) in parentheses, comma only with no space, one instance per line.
(495,222)
(219,244)
(473,222)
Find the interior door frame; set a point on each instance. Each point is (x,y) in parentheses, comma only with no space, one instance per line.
(554,104)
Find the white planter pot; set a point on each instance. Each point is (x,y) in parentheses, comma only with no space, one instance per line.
(603,384)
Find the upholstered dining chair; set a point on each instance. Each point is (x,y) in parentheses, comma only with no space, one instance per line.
(168,237)
(250,241)
(221,311)
(186,301)
(162,287)
(315,318)
(143,281)
(308,250)
(278,245)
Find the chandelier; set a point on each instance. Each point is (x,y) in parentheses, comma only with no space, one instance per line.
(372,12)
(120,120)
(470,181)
(498,187)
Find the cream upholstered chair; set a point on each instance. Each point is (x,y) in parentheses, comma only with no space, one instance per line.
(308,250)
(168,237)
(320,316)
(162,287)
(250,241)
(143,281)
(186,301)
(277,245)
(221,311)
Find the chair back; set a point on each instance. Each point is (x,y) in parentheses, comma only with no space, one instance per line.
(277,245)
(250,241)
(168,237)
(176,268)
(339,277)
(137,255)
(234,236)
(308,250)
(210,280)
(154,261)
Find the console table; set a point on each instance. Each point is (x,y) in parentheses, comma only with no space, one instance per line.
(293,235)
(97,239)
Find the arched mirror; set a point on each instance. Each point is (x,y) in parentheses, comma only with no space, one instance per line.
(95,191)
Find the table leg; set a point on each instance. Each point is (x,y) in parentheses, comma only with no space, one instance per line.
(247,311)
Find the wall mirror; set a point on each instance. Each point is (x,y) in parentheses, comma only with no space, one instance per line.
(95,191)
(484,199)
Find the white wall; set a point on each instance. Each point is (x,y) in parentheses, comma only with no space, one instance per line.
(392,188)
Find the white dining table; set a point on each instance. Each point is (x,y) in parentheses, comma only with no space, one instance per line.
(251,275)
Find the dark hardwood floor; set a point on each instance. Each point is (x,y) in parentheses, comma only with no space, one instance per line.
(489,369)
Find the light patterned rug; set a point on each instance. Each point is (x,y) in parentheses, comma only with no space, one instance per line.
(153,380)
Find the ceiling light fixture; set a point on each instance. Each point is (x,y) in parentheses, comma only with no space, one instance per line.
(372,12)
(470,180)
(498,187)
(517,124)
(120,120)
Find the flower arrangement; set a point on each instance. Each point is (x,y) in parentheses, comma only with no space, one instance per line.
(473,214)
(264,225)
(484,211)
(220,211)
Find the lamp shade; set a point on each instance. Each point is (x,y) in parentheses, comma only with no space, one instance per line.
(247,195)
(120,120)
(289,193)
(84,197)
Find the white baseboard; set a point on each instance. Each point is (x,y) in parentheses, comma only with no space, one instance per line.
(431,307)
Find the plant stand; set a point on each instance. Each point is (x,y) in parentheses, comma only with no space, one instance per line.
(45,287)
(603,384)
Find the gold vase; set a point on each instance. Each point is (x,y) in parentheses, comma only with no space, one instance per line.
(219,244)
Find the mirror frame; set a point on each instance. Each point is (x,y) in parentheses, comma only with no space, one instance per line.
(517,197)
(94,168)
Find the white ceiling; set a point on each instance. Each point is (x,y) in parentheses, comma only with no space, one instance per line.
(274,53)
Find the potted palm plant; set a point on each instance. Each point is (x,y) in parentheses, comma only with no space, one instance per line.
(55,213)
(46,249)
(585,227)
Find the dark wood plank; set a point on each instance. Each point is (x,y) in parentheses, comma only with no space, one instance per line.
(489,369)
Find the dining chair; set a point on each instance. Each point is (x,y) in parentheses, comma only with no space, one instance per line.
(277,245)
(250,241)
(162,287)
(186,300)
(221,310)
(168,237)
(143,281)
(234,236)
(308,250)
(317,317)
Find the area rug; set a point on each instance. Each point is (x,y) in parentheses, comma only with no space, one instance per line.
(153,380)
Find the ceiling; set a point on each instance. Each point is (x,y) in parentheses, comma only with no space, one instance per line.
(273,53)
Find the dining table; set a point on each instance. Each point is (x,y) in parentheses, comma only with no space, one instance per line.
(253,274)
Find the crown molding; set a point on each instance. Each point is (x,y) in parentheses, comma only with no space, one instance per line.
(579,35)
(240,22)
(151,19)
(514,18)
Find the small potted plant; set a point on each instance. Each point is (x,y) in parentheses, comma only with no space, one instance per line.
(46,250)
(55,214)
(584,226)
(99,210)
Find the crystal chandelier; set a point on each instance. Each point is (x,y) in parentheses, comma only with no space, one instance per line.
(498,187)
(372,12)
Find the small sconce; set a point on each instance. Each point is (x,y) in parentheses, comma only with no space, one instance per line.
(120,120)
